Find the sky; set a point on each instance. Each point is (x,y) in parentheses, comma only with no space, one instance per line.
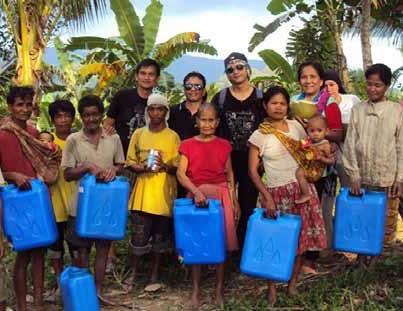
(228,24)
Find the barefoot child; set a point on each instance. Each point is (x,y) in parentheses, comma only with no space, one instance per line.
(155,188)
(318,149)
(205,170)
(90,151)
(23,157)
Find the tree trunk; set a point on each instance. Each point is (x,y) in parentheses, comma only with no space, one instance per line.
(342,68)
(365,33)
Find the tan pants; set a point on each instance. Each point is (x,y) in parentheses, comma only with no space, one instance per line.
(392,213)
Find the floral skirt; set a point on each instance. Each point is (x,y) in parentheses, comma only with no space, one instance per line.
(313,233)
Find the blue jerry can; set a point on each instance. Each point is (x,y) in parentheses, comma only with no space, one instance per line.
(271,246)
(359,222)
(102,208)
(199,232)
(28,218)
(78,290)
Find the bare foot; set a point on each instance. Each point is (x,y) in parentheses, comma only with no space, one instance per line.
(272,295)
(105,300)
(292,289)
(303,198)
(308,270)
(219,298)
(154,277)
(194,300)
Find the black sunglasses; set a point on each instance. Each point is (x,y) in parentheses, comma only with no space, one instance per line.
(238,67)
(196,86)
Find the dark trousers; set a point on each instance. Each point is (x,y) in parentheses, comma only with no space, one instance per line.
(247,193)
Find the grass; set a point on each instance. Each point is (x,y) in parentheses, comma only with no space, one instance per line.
(343,287)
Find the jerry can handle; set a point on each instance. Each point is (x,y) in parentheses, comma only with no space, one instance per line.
(205,206)
(356,195)
(264,215)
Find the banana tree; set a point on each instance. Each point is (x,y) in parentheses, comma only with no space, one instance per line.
(109,58)
(33,23)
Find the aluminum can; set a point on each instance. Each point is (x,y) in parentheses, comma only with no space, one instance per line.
(151,159)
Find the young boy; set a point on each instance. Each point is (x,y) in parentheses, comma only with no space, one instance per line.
(373,152)
(3,275)
(91,151)
(155,188)
(62,114)
(319,149)
(22,158)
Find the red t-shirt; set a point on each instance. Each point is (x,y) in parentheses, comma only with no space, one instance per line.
(333,116)
(206,160)
(12,158)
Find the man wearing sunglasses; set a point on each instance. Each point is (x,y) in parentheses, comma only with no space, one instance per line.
(183,116)
(241,111)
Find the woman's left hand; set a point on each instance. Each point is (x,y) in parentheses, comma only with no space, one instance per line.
(237,212)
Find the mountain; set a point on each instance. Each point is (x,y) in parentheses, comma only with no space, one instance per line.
(212,69)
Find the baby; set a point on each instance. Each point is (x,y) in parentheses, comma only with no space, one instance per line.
(318,149)
(47,138)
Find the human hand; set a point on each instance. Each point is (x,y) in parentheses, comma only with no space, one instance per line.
(395,191)
(302,121)
(22,181)
(108,174)
(109,130)
(237,212)
(159,163)
(355,186)
(91,168)
(270,206)
(200,199)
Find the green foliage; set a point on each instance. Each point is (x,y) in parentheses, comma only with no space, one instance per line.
(279,65)
(313,42)
(137,41)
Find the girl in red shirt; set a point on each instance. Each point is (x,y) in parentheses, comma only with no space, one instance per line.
(205,170)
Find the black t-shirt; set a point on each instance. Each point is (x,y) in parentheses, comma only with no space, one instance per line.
(182,122)
(239,119)
(127,108)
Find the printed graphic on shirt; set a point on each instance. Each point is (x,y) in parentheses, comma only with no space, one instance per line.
(241,126)
(137,121)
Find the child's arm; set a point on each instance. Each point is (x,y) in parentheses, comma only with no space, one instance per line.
(267,202)
(231,185)
(199,197)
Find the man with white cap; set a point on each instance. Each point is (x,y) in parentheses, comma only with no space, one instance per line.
(153,156)
(241,111)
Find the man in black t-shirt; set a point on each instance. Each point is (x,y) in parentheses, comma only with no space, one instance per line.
(126,112)
(182,118)
(241,111)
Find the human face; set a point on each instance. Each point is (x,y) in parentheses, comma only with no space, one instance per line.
(317,130)
(310,81)
(207,122)
(63,121)
(157,114)
(21,109)
(194,94)
(277,107)
(45,138)
(91,118)
(332,87)
(237,72)
(376,89)
(147,78)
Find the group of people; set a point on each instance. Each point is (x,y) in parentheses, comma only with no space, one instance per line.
(204,150)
